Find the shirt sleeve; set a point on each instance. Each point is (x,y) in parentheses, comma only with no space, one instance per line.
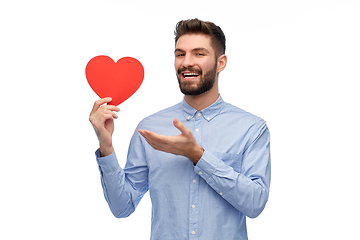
(247,190)
(124,188)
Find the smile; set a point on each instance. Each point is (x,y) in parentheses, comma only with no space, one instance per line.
(190,75)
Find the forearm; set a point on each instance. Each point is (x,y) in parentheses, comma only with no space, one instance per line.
(114,186)
(248,194)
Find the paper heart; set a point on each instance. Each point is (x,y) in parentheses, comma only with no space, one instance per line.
(118,80)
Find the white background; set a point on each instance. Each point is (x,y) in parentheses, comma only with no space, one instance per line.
(293,63)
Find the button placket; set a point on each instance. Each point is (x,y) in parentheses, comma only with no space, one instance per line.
(193,209)
(198,126)
(194,185)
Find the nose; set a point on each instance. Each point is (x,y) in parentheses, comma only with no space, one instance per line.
(187,61)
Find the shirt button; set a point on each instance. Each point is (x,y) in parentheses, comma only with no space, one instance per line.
(208,119)
(221,194)
(199,114)
(193,206)
(200,172)
(196,130)
(194,181)
(188,117)
(193,232)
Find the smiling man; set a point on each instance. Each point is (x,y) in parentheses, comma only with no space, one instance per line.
(189,74)
(206,163)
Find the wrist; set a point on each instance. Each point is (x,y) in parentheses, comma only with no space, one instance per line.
(106,150)
(196,154)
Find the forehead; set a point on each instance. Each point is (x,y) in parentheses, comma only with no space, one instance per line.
(189,42)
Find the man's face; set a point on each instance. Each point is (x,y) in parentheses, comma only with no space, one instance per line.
(195,64)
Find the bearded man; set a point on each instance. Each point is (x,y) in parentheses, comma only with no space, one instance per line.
(205,162)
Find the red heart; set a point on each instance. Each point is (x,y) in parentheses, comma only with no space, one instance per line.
(117,80)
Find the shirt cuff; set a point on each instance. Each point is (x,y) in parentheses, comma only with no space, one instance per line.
(207,165)
(108,163)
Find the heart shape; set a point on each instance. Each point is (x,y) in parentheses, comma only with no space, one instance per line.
(118,80)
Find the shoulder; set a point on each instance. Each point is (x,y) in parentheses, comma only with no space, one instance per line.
(161,117)
(245,122)
(240,114)
(163,113)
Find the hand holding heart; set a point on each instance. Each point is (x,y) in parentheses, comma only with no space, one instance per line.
(102,118)
(114,83)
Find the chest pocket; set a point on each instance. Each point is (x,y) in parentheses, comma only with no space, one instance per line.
(232,160)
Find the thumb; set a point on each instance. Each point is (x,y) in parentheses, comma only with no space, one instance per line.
(181,126)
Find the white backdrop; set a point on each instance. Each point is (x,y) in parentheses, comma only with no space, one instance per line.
(293,63)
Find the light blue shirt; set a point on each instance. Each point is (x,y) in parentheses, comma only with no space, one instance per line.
(208,201)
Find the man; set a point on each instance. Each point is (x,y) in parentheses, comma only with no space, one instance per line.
(205,162)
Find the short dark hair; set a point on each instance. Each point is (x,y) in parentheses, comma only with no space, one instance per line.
(218,40)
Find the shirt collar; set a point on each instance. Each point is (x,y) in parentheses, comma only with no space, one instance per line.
(208,113)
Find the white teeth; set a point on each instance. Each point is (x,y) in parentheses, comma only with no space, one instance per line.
(190,74)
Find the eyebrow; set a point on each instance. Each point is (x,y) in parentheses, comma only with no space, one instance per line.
(195,49)
(201,49)
(178,50)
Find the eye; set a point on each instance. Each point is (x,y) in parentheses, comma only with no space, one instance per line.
(179,54)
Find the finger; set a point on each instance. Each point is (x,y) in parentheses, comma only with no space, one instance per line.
(153,143)
(112,114)
(156,137)
(100,102)
(99,114)
(107,116)
(104,113)
(145,136)
(110,108)
(153,137)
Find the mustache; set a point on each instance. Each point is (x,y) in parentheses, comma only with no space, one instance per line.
(190,69)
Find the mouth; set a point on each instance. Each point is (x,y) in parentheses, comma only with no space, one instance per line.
(189,75)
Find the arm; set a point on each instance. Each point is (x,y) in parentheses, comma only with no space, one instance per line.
(123,188)
(122,192)
(248,190)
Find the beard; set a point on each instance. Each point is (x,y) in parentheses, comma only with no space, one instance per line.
(204,84)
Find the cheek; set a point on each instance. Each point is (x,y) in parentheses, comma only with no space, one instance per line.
(177,65)
(207,67)
(207,63)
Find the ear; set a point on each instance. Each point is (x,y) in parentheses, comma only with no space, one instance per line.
(221,63)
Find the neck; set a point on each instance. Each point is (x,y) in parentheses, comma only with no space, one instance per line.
(204,100)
